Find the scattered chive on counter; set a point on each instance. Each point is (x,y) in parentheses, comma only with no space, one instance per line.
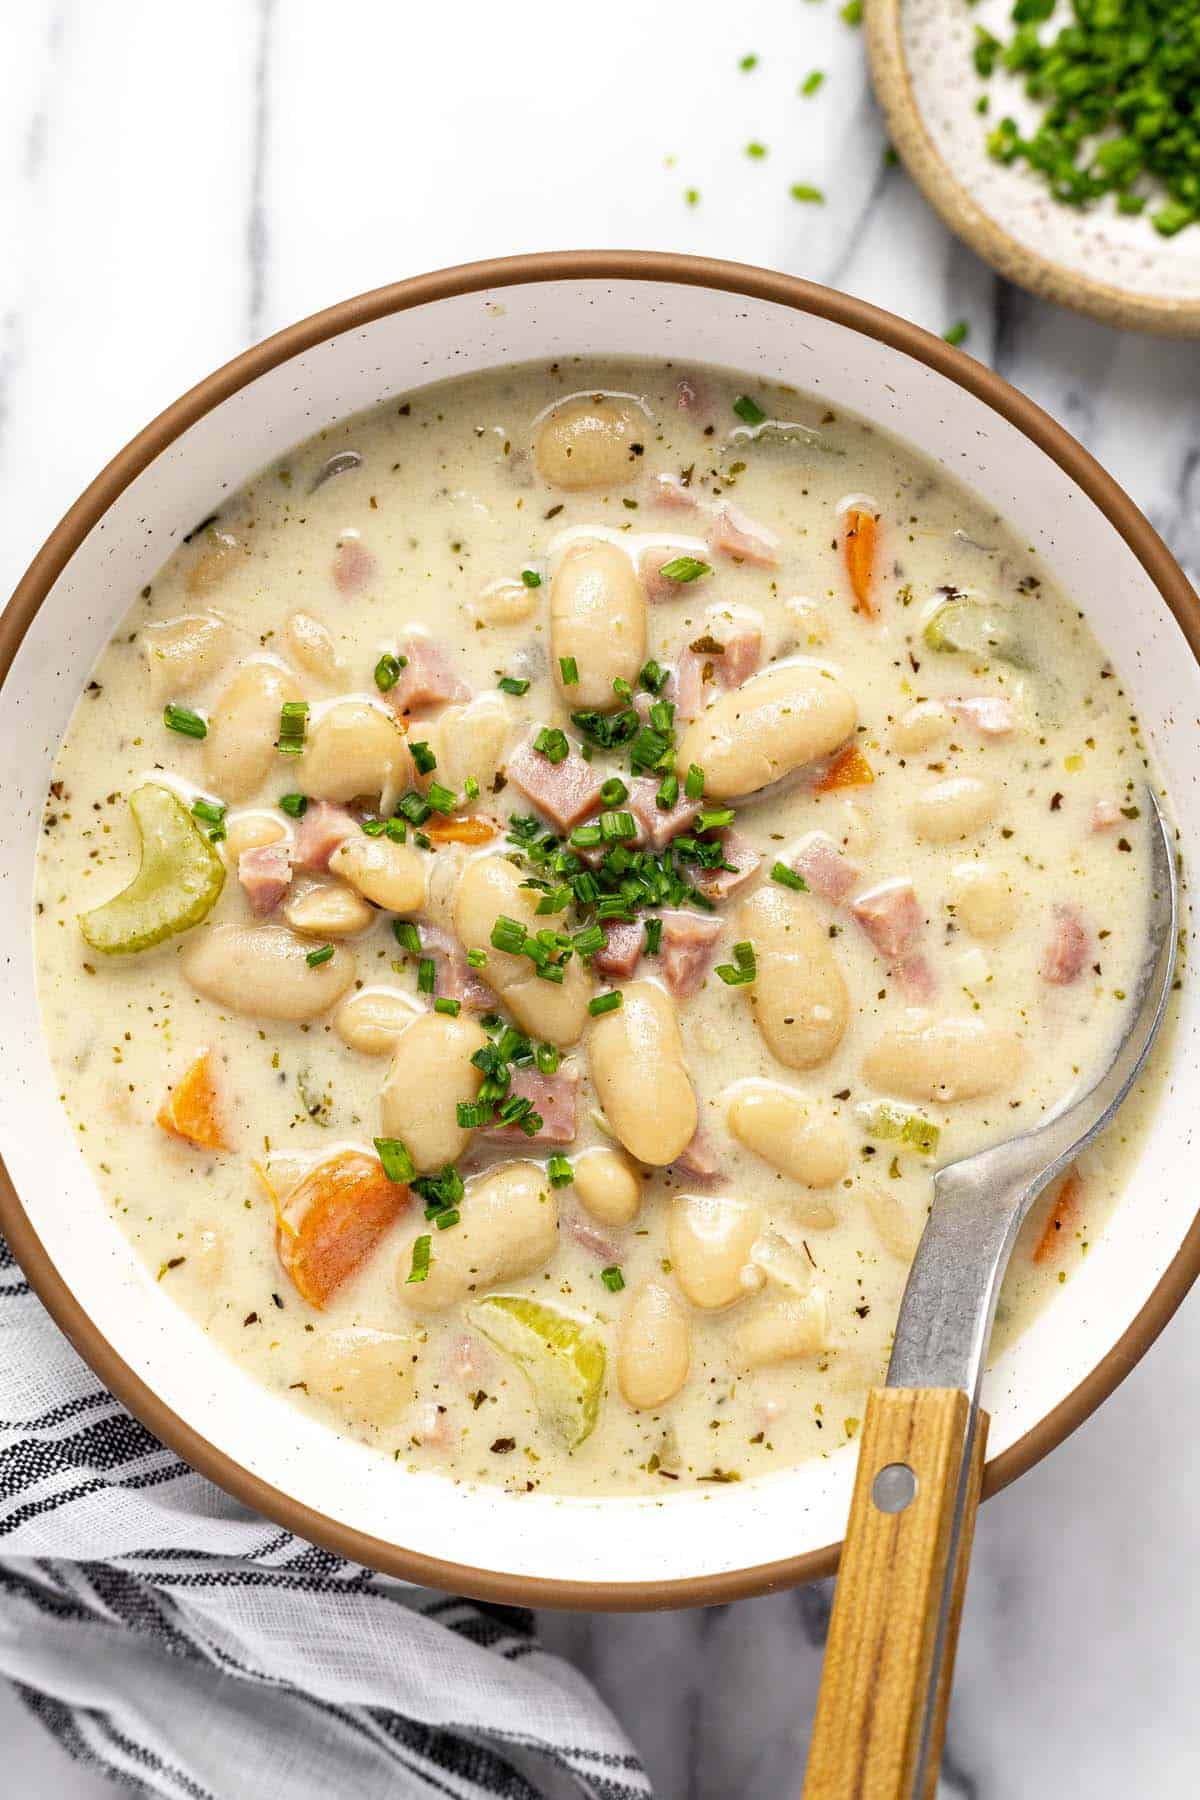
(957,333)
(801,190)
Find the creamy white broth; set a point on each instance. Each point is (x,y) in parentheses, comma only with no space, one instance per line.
(431,528)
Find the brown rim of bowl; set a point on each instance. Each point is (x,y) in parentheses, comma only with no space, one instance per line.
(468,278)
(958,208)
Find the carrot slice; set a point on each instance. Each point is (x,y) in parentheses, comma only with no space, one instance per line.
(858,548)
(1064,1214)
(190,1110)
(473,830)
(332,1220)
(849,769)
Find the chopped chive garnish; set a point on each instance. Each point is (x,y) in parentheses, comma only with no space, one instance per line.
(812,82)
(398,1165)
(749,410)
(612,1278)
(315,958)
(586,837)
(653,677)
(470,788)
(294,805)
(693,785)
(423,757)
(556,900)
(183,720)
(560,1172)
(552,743)
(415,808)
(653,936)
(547,1059)
(588,941)
(686,568)
(407,936)
(477,959)
(614,791)
(616,826)
(440,798)
(668,791)
(387,671)
(804,191)
(397,830)
(508,935)
(508,684)
(569,669)
(745,970)
(293,724)
(451,1008)
(373,827)
(531,578)
(420,1259)
(788,878)
(621,688)
(426,975)
(714,820)
(444,1220)
(604,1003)
(212,812)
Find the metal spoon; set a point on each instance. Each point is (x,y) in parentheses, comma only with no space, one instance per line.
(881,1713)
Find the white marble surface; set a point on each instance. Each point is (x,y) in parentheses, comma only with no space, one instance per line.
(177,180)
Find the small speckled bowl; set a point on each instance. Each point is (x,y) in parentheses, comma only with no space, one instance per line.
(1117,268)
(687,1548)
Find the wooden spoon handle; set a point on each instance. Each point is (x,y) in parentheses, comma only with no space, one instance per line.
(893,1579)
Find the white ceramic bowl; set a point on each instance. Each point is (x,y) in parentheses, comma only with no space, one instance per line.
(669,1550)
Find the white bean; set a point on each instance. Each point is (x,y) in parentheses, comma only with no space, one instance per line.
(597,616)
(608,1186)
(709,1239)
(772,724)
(206,1257)
(371,1021)
(509,1228)
(355,747)
(326,909)
(636,1059)
(802,1141)
(506,602)
(491,887)
(781,1262)
(955,808)
(654,1346)
(586,442)
(389,874)
(311,645)
(896,1228)
(952,1059)
(218,554)
(431,1073)
(367,1375)
(778,1330)
(239,751)
(263,970)
(251,831)
(182,654)
(798,998)
(983,899)
(468,741)
(926,723)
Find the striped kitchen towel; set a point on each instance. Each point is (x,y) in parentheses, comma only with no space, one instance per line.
(173,1639)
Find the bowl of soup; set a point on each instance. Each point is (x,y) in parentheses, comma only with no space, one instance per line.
(543,803)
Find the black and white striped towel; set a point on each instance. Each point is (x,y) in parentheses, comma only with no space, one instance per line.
(170,1637)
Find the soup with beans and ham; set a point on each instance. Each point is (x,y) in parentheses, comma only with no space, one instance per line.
(539,881)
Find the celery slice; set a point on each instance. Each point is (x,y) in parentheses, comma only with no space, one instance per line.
(177,884)
(562,1358)
(973,629)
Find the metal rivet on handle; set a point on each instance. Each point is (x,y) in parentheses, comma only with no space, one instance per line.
(894,1488)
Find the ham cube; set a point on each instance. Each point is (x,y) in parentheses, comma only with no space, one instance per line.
(353,565)
(659,826)
(553,1097)
(655,585)
(737,535)
(591,1239)
(566,792)
(265,873)
(623,945)
(916,977)
(427,678)
(323,827)
(686,950)
(669,490)
(698,1158)
(726,653)
(1067,949)
(990,714)
(827,872)
(891,916)
(720,884)
(455,979)
(1106,814)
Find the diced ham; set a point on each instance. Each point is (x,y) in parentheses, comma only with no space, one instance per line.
(1067,950)
(623,945)
(553,1096)
(669,490)
(431,1427)
(455,978)
(265,872)
(735,534)
(655,585)
(469,1360)
(323,827)
(990,714)
(591,1239)
(719,884)
(353,565)
(915,975)
(686,949)
(698,1158)
(566,792)
(1105,815)
(824,868)
(427,678)
(727,652)
(891,916)
(659,826)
